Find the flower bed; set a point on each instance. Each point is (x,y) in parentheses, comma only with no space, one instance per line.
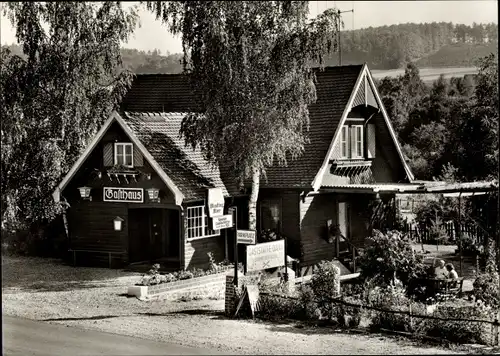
(208,286)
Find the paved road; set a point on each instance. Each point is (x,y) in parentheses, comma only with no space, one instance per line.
(27,337)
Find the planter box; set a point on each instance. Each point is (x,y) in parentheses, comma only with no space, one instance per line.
(203,287)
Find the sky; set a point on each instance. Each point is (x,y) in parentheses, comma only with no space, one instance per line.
(153,35)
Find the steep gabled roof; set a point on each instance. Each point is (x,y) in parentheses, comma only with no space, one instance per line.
(191,173)
(92,145)
(337,89)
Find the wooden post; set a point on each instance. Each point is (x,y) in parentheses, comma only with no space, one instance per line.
(235,227)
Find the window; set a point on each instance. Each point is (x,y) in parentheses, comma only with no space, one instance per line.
(344,142)
(124,154)
(357,150)
(270,214)
(197,224)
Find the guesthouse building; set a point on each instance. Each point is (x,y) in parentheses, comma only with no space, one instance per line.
(138,193)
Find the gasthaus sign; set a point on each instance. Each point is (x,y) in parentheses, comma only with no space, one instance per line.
(126,195)
(265,255)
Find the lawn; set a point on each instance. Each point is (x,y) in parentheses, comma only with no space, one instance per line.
(94,298)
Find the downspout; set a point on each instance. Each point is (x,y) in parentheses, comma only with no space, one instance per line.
(181,238)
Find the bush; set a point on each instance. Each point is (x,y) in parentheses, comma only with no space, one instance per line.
(276,307)
(460,331)
(325,285)
(391,255)
(394,298)
(310,310)
(470,247)
(487,285)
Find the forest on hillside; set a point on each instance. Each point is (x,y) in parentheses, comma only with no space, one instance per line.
(391,47)
(387,47)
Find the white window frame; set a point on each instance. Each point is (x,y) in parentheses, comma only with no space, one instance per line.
(124,145)
(344,140)
(197,225)
(358,139)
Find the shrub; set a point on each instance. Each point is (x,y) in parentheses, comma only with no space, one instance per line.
(460,331)
(310,310)
(486,287)
(470,247)
(348,316)
(325,284)
(391,298)
(185,275)
(276,307)
(152,277)
(391,255)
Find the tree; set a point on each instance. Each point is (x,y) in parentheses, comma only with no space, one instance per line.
(250,63)
(55,97)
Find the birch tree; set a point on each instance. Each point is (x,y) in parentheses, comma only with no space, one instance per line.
(251,65)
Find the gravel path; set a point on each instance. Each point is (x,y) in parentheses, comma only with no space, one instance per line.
(94,298)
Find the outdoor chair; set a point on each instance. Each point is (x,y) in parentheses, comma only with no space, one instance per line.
(449,288)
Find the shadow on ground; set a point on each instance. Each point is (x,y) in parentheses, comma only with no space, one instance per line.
(35,274)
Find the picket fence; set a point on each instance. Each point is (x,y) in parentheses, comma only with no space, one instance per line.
(422,233)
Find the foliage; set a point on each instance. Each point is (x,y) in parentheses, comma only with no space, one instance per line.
(310,310)
(470,246)
(460,331)
(275,307)
(394,298)
(487,285)
(391,256)
(55,97)
(325,284)
(250,64)
(153,276)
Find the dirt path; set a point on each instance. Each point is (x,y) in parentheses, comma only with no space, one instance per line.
(48,291)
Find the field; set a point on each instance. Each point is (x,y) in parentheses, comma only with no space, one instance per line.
(428,75)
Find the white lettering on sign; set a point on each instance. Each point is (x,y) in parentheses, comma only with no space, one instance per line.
(247,237)
(265,255)
(129,195)
(215,202)
(222,222)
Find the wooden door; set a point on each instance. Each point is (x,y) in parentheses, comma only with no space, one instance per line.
(138,234)
(156,233)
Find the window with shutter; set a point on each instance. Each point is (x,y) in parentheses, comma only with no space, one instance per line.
(124,154)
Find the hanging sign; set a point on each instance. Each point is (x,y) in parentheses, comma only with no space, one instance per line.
(126,195)
(215,202)
(222,222)
(246,237)
(265,255)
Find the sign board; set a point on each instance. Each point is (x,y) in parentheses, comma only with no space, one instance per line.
(215,202)
(222,222)
(265,255)
(246,237)
(127,195)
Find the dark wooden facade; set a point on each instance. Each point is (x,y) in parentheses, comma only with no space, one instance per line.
(151,230)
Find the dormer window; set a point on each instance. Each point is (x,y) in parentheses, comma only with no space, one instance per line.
(124,154)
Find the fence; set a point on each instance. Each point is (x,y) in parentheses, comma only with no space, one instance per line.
(424,234)
(495,323)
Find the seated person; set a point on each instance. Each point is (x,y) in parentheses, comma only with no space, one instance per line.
(440,272)
(452,274)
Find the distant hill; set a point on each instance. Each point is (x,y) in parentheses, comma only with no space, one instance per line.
(433,45)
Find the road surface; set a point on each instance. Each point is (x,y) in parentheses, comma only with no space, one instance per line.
(28,337)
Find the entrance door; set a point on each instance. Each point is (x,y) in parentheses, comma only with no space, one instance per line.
(156,237)
(138,235)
